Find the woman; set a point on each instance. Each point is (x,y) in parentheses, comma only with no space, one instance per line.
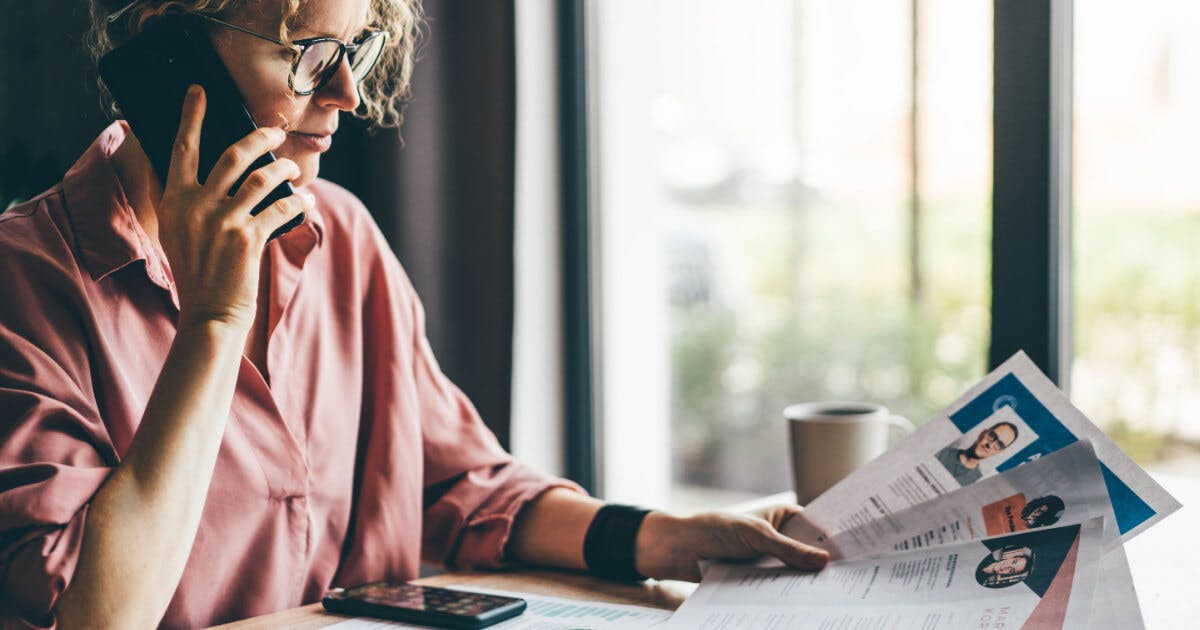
(198,426)
(1005,566)
(1043,511)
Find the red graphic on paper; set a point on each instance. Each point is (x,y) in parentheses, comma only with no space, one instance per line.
(1052,610)
(1004,516)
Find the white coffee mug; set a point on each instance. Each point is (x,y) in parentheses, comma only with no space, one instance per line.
(830,440)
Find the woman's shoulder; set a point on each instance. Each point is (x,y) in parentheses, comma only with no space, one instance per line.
(42,278)
(19,218)
(36,230)
(344,220)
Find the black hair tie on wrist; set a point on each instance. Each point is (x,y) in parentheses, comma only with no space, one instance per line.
(611,540)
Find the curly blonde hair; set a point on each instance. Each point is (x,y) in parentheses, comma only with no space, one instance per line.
(383,92)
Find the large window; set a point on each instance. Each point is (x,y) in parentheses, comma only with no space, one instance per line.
(1136,368)
(793,203)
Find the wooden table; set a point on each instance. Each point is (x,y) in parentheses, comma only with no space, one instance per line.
(658,594)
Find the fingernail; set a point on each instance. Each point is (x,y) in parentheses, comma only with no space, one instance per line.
(283,121)
(193,90)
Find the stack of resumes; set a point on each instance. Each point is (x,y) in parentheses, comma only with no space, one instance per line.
(1008,510)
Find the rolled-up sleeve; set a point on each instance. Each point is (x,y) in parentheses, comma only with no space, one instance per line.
(54,451)
(469,520)
(473,489)
(50,468)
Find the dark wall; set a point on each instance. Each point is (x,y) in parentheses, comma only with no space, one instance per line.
(49,105)
(443,197)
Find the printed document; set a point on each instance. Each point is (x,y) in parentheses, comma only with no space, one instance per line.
(1014,416)
(1039,578)
(1063,487)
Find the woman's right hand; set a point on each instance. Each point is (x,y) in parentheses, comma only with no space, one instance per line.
(213,244)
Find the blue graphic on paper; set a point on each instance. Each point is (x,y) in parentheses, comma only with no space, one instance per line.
(1130,509)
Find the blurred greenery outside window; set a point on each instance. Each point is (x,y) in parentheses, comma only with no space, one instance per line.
(1136,368)
(823,235)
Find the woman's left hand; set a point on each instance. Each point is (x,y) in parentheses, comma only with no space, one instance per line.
(670,547)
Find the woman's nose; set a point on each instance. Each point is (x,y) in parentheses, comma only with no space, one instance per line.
(341,91)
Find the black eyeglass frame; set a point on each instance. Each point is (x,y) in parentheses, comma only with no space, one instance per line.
(300,45)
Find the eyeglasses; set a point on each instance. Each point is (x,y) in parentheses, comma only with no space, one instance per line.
(316,59)
(992,439)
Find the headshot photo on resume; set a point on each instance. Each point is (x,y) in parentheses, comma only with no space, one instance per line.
(963,463)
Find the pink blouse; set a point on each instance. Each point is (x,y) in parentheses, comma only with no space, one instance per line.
(359,461)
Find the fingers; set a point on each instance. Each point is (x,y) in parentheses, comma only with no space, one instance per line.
(262,181)
(690,574)
(779,515)
(237,158)
(185,152)
(794,554)
(764,539)
(279,213)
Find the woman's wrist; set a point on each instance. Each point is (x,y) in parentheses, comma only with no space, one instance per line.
(653,548)
(610,545)
(218,328)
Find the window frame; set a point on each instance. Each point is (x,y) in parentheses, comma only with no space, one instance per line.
(581,425)
(1032,134)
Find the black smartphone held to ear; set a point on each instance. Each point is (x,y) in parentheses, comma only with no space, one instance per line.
(424,605)
(149,76)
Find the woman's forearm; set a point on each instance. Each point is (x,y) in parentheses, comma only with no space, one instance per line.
(549,531)
(141,524)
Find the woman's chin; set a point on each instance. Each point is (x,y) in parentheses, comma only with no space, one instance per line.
(309,161)
(309,168)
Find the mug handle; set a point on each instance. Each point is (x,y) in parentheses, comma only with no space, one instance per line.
(901,424)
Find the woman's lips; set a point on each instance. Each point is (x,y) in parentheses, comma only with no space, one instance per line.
(313,142)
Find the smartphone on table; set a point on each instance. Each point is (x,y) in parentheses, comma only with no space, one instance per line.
(423,605)
(149,76)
